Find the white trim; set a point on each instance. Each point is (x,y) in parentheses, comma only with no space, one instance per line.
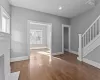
(74,52)
(58,53)
(38,47)
(14,76)
(4,12)
(66,50)
(39,23)
(78,58)
(93,63)
(4,35)
(28,36)
(91,25)
(19,58)
(93,45)
(69,30)
(80,50)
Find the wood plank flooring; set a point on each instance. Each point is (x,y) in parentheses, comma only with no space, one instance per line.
(62,67)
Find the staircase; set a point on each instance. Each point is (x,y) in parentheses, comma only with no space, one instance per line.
(89,40)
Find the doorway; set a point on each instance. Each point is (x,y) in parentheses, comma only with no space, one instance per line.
(39,38)
(66,38)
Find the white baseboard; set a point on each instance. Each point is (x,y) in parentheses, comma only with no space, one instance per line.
(78,58)
(58,53)
(66,50)
(19,58)
(74,52)
(38,48)
(93,63)
(14,76)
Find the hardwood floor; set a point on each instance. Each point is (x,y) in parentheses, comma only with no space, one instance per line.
(62,67)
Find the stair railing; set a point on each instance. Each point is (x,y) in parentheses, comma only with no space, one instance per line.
(89,35)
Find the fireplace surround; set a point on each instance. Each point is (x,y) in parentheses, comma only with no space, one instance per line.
(2,77)
(5,47)
(5,55)
(5,58)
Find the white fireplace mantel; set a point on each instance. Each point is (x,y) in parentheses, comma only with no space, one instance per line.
(5,52)
(5,49)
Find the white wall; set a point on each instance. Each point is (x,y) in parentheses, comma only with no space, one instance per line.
(5,4)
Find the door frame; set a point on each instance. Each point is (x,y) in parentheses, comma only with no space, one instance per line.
(69,41)
(28,35)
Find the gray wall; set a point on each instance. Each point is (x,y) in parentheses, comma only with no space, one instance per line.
(44,35)
(81,22)
(5,4)
(19,29)
(94,55)
(66,38)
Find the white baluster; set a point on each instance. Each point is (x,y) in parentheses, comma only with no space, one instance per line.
(80,51)
(96,25)
(88,37)
(83,41)
(94,29)
(90,34)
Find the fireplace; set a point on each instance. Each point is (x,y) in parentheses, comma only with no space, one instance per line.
(4,55)
(5,47)
(5,58)
(2,77)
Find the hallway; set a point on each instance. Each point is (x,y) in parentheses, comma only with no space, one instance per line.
(44,51)
(62,67)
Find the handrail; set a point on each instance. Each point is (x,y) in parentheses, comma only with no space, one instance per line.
(91,25)
(88,37)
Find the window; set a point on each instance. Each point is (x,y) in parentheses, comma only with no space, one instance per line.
(5,21)
(36,36)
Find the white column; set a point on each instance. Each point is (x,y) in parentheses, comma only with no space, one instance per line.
(80,52)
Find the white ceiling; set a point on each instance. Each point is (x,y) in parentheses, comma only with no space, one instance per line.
(70,8)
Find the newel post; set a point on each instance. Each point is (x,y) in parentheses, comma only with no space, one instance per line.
(80,51)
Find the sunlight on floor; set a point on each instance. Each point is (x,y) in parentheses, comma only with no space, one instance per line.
(42,52)
(38,58)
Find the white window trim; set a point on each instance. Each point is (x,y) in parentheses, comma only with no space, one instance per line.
(4,12)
